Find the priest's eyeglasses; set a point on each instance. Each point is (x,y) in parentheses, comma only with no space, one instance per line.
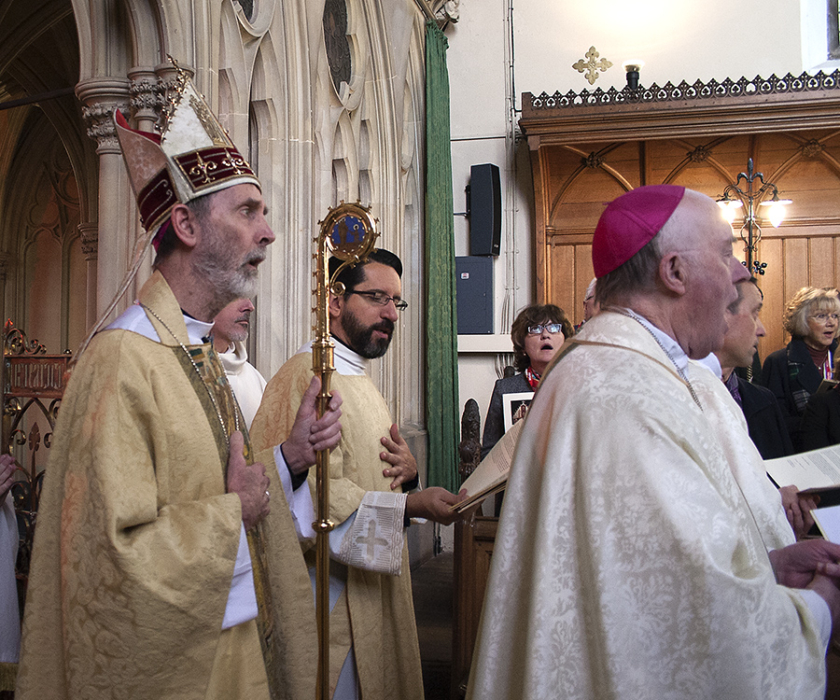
(381,299)
(823,317)
(552,328)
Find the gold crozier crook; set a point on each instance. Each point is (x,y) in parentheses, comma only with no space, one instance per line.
(348,232)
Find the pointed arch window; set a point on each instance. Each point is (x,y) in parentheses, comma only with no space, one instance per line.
(335,38)
(248,8)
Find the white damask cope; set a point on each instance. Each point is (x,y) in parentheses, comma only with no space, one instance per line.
(631,555)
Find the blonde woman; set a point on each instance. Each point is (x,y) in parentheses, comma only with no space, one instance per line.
(794,372)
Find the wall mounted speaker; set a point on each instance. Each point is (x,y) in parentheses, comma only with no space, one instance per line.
(485,209)
(474,291)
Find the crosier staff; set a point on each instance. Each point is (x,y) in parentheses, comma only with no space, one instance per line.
(348,232)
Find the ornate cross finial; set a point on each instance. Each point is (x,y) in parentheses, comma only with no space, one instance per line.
(591,65)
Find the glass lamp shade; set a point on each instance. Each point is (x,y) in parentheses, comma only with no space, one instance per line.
(729,208)
(776,212)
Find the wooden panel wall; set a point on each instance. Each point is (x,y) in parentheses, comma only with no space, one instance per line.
(578,179)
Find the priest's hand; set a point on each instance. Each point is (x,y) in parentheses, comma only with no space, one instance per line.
(403,465)
(796,564)
(825,585)
(311,434)
(7,476)
(798,509)
(248,481)
(433,503)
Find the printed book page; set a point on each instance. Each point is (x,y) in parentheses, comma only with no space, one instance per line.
(828,521)
(818,469)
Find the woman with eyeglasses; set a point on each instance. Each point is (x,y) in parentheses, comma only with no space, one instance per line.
(537,334)
(794,373)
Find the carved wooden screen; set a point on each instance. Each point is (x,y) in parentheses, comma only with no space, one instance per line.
(586,155)
(33,383)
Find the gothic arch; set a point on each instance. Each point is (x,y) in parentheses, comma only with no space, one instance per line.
(48,172)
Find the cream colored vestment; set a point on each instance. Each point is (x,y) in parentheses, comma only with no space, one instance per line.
(629,562)
(245,380)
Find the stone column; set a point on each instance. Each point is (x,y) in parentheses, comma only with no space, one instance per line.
(99,97)
(89,233)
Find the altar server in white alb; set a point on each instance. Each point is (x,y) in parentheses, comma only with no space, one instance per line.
(230,331)
(640,554)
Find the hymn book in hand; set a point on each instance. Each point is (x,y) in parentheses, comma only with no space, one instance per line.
(491,475)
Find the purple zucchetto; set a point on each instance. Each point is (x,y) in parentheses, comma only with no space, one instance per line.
(630,222)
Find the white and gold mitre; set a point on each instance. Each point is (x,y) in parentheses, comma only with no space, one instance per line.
(192,156)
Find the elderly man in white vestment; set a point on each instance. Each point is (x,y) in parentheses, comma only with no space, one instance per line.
(642,552)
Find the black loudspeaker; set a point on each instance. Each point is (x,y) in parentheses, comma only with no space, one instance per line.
(485,209)
(474,289)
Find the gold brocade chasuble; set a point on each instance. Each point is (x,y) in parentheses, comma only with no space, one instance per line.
(631,557)
(286,618)
(379,610)
(203,367)
(137,539)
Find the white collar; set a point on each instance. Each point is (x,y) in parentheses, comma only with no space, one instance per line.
(197,330)
(135,319)
(347,361)
(712,363)
(669,345)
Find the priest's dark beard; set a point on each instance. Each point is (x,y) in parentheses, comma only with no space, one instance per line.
(360,337)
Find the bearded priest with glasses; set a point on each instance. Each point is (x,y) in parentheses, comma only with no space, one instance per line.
(374,491)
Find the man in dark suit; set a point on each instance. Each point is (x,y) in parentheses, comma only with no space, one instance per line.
(765,421)
(764,418)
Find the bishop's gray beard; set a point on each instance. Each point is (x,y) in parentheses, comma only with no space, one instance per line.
(229,280)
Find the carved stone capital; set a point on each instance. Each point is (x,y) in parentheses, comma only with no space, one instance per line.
(90,240)
(167,74)
(99,120)
(146,97)
(99,98)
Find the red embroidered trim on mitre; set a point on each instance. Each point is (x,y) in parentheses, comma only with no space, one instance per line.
(156,199)
(210,166)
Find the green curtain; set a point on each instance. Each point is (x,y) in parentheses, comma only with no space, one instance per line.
(441,320)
